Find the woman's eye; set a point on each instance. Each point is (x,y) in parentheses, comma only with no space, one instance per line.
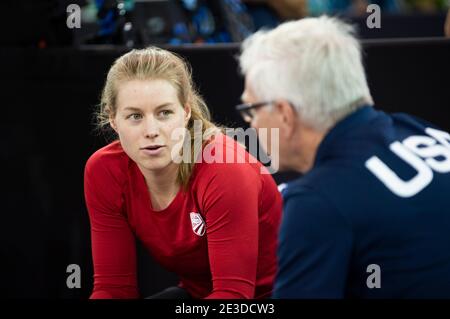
(135,116)
(165,113)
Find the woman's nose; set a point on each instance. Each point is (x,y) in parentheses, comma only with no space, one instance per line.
(151,128)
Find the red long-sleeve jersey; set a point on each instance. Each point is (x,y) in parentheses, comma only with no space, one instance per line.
(219,235)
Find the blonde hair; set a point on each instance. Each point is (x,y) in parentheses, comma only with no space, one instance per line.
(155,63)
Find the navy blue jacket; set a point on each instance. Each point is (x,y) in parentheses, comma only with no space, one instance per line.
(371,219)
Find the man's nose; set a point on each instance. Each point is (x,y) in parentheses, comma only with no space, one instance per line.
(247,119)
(253,122)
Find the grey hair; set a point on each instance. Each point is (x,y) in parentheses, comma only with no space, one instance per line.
(314,63)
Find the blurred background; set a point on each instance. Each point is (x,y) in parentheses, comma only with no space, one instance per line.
(42,23)
(53,67)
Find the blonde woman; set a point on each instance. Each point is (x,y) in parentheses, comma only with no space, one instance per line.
(213,224)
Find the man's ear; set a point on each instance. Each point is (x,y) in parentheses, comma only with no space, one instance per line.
(288,116)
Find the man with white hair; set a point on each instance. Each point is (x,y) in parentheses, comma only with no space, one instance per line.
(370,217)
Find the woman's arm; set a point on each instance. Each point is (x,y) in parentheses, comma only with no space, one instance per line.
(113,243)
(230,200)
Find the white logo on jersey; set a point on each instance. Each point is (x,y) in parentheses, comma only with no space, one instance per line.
(420,152)
(198,224)
(282,187)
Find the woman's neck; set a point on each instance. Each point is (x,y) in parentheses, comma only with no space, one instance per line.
(163,185)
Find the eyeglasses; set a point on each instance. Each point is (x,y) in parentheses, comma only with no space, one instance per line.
(247,110)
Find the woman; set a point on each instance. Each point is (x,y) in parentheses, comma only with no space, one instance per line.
(213,224)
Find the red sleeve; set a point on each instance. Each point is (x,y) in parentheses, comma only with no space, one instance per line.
(113,243)
(229,195)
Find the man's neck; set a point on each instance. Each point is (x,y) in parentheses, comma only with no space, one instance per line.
(306,142)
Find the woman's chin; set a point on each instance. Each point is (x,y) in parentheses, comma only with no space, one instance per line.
(155,164)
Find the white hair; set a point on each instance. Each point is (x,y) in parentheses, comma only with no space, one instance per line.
(314,63)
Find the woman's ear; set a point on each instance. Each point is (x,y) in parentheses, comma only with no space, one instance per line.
(187,113)
(112,123)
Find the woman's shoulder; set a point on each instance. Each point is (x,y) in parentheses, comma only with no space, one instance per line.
(241,177)
(225,158)
(110,159)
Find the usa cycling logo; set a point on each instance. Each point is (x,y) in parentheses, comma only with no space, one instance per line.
(198,224)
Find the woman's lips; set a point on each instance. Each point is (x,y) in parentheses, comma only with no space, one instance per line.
(153,150)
